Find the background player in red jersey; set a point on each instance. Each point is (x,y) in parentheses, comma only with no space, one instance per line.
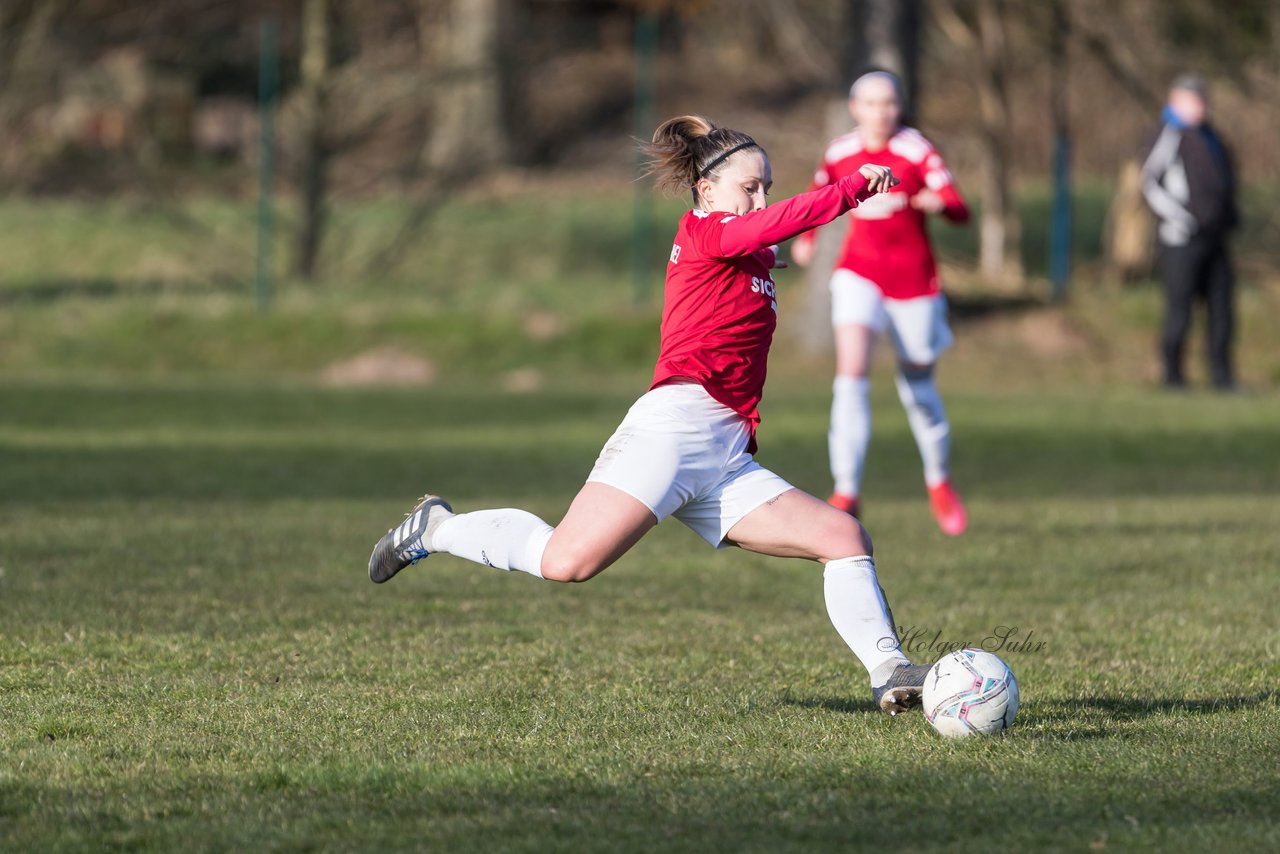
(886,280)
(685,448)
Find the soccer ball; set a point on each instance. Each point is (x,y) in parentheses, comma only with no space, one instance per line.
(970,692)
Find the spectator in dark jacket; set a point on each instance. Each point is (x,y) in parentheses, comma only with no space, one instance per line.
(1189,182)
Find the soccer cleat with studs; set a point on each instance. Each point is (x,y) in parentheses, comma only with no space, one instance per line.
(902,691)
(948,509)
(846,504)
(409,542)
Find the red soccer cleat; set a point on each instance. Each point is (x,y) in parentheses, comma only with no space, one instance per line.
(845,503)
(948,509)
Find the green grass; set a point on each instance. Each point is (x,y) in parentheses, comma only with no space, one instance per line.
(527,250)
(192,657)
(538,278)
(506,250)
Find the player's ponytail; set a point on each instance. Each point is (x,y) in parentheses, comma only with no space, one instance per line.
(687,148)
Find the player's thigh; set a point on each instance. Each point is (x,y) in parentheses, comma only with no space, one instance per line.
(796,524)
(854,345)
(635,483)
(919,330)
(602,524)
(857,317)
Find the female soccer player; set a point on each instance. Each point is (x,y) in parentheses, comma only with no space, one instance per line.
(887,279)
(685,448)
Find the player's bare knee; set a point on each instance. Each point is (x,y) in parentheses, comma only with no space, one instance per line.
(569,567)
(855,539)
(845,537)
(864,539)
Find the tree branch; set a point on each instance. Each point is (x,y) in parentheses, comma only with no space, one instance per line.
(1102,49)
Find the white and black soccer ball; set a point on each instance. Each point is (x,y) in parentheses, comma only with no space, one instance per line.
(970,692)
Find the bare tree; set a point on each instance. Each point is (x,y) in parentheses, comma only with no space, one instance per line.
(23,45)
(795,37)
(33,40)
(984,38)
(313,99)
(471,103)
(1117,59)
(879,34)
(884,34)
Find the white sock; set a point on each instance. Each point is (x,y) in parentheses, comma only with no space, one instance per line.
(928,420)
(860,613)
(504,539)
(850,432)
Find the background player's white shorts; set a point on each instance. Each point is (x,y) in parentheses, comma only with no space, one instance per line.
(681,453)
(918,327)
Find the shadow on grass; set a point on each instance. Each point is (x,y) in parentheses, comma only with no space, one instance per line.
(1097,717)
(52,290)
(266,443)
(966,307)
(207,473)
(836,803)
(1071,720)
(839,705)
(1137,708)
(320,466)
(1146,528)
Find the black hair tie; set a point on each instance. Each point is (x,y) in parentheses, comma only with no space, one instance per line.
(706,170)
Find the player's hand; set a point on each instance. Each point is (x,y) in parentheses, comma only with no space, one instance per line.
(879,178)
(802,250)
(778,263)
(928,201)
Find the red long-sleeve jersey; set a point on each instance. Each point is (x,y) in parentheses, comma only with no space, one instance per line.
(888,242)
(720,307)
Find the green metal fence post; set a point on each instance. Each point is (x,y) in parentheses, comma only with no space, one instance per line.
(268,84)
(1060,220)
(1060,212)
(642,226)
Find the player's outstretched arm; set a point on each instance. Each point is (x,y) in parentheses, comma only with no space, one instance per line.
(742,235)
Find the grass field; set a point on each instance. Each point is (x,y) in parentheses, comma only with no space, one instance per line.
(191,656)
(499,281)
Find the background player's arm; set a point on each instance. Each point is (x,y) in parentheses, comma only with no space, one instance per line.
(940,195)
(946,201)
(803,247)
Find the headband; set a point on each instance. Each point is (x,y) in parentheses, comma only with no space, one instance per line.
(706,170)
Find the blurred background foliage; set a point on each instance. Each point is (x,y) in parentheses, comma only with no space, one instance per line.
(470,163)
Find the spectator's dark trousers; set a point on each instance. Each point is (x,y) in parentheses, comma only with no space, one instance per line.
(1199,269)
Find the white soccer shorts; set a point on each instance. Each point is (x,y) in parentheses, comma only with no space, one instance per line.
(681,453)
(917,327)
